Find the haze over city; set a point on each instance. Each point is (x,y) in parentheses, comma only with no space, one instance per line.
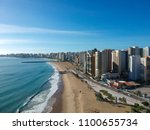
(42,26)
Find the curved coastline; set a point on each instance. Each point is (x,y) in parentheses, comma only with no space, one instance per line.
(69,94)
(49,101)
(54,102)
(77,95)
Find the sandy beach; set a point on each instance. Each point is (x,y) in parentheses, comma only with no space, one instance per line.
(78,97)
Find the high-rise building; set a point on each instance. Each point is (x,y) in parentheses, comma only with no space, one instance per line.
(141,52)
(145,68)
(116,62)
(76,60)
(93,63)
(119,61)
(133,51)
(98,64)
(69,56)
(106,61)
(61,56)
(124,61)
(82,58)
(146,51)
(85,63)
(134,67)
(89,62)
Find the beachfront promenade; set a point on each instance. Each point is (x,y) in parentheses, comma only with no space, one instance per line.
(78,93)
(96,86)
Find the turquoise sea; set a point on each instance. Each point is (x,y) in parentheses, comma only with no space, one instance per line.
(26,87)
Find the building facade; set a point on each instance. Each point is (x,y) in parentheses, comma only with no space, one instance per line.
(146,51)
(134,67)
(98,64)
(116,61)
(133,51)
(119,61)
(106,61)
(61,56)
(145,69)
(89,63)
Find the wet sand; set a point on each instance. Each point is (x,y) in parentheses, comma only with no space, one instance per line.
(77,97)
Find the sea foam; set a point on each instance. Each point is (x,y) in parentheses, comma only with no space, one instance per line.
(37,103)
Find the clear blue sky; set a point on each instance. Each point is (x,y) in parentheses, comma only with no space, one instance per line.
(73,25)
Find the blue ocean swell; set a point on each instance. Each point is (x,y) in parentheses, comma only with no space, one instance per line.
(39,101)
(20,81)
(44,86)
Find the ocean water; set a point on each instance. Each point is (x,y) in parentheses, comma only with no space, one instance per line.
(26,87)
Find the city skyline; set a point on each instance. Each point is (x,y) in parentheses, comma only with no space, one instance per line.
(56,25)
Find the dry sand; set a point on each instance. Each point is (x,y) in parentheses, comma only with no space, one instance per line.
(78,97)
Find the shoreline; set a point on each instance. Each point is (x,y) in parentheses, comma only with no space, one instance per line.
(76,96)
(57,106)
(54,102)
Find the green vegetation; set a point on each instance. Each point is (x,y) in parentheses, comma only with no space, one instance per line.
(110,97)
(99,96)
(104,92)
(148,111)
(137,108)
(145,104)
(123,100)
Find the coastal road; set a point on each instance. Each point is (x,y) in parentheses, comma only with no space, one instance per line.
(97,87)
